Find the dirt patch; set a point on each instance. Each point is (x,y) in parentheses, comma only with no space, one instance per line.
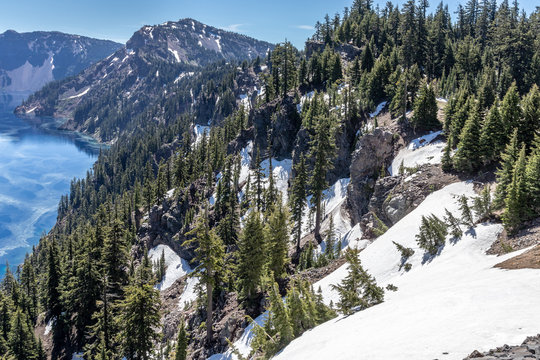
(525,238)
(527,260)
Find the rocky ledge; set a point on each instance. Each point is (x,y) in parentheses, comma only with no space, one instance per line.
(529,349)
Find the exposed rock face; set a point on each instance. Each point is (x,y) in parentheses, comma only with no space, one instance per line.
(282,120)
(373,151)
(396,196)
(529,349)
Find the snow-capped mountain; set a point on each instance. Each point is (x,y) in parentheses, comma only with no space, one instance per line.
(154,58)
(30,60)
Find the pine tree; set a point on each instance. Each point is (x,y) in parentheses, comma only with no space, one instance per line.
(251,256)
(139,319)
(529,123)
(532,175)
(297,200)
(22,343)
(425,109)
(446,161)
(322,152)
(209,254)
(516,211)
(277,240)
(466,158)
(466,213)
(432,234)
(492,137)
(483,204)
(510,110)
(505,172)
(181,342)
(330,240)
(358,289)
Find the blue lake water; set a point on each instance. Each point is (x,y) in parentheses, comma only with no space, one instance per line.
(37,163)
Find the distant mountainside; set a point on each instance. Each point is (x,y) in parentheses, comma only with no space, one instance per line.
(30,60)
(156,57)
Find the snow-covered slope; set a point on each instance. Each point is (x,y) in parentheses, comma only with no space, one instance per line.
(420,151)
(445,307)
(175,266)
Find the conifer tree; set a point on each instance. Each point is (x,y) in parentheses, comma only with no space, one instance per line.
(277,240)
(446,161)
(322,152)
(432,234)
(251,256)
(139,320)
(22,343)
(516,211)
(209,254)
(466,213)
(358,289)
(510,110)
(529,123)
(483,204)
(181,342)
(532,174)
(466,158)
(330,240)
(492,137)
(505,172)
(297,200)
(425,109)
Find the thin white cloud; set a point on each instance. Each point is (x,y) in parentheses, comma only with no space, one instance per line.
(234,27)
(305,27)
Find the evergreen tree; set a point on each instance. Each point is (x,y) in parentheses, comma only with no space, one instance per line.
(277,240)
(22,343)
(532,174)
(446,161)
(492,137)
(297,200)
(466,158)
(139,319)
(209,254)
(466,213)
(432,234)
(251,256)
(322,152)
(529,123)
(510,110)
(330,240)
(425,109)
(505,172)
(181,342)
(516,211)
(358,288)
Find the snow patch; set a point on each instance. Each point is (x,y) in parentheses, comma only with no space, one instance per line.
(190,292)
(378,110)
(176,267)
(78,95)
(428,154)
(176,55)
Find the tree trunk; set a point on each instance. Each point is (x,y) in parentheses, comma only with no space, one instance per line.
(317,231)
(209,291)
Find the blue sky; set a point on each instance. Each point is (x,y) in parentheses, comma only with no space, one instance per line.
(117,20)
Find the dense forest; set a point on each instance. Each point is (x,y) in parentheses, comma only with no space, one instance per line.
(91,277)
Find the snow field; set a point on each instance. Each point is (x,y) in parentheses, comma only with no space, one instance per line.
(176,267)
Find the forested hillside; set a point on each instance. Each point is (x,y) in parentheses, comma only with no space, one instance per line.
(245,180)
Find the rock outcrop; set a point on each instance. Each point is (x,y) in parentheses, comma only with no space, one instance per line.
(373,152)
(529,349)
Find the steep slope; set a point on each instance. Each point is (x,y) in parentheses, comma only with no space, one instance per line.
(446,306)
(156,60)
(30,60)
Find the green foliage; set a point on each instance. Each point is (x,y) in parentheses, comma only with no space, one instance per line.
(181,342)
(483,204)
(425,109)
(359,290)
(466,158)
(432,234)
(454,224)
(297,200)
(276,234)
(252,252)
(466,212)
(516,199)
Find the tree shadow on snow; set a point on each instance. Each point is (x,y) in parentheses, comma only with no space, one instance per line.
(428,257)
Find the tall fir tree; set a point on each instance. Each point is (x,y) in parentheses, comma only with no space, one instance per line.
(251,256)
(322,152)
(466,158)
(297,200)
(516,210)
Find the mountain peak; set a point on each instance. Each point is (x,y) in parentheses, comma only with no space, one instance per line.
(192,42)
